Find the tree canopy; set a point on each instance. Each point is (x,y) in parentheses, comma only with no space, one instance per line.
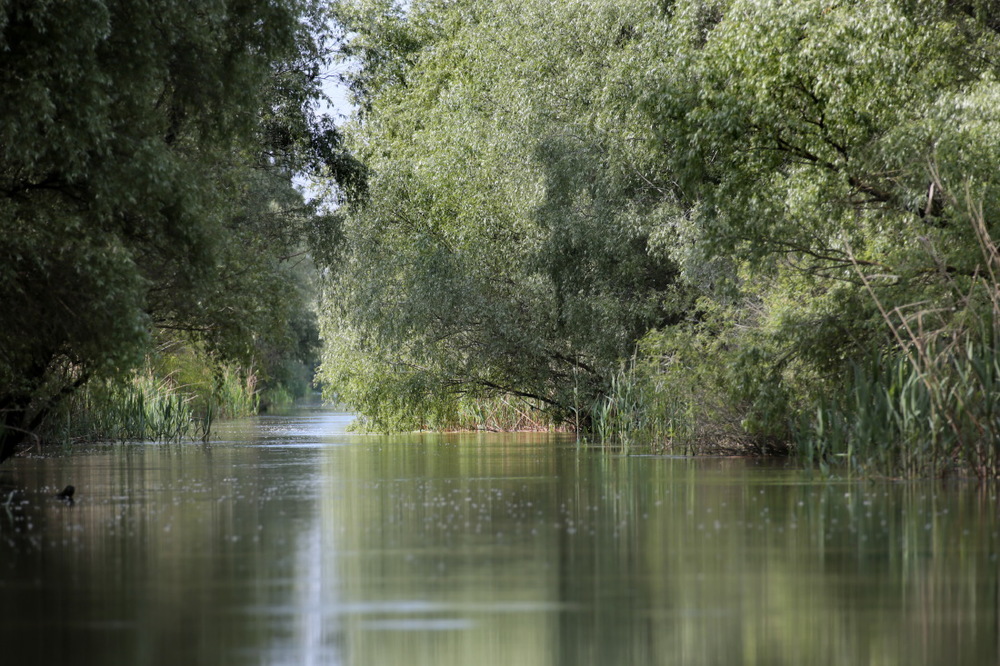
(560,190)
(649,214)
(146,156)
(504,246)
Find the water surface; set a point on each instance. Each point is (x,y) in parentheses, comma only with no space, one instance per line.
(288,541)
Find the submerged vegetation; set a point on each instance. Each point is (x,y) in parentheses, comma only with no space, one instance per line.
(695,225)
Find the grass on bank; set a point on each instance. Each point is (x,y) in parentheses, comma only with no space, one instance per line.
(178,395)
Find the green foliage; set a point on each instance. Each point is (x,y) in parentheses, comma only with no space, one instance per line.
(709,387)
(935,417)
(505,246)
(686,223)
(831,153)
(143,408)
(931,406)
(640,409)
(146,157)
(177,395)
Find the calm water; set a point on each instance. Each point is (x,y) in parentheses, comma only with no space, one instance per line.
(288,541)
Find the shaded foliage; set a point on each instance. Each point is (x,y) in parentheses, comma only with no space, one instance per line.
(146,153)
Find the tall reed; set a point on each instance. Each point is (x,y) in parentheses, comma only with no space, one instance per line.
(656,408)
(152,406)
(930,407)
(900,418)
(144,407)
(502,413)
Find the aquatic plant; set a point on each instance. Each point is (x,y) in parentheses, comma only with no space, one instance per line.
(661,401)
(144,407)
(930,406)
(178,395)
(929,414)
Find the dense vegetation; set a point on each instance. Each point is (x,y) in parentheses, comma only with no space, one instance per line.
(702,224)
(147,210)
(731,223)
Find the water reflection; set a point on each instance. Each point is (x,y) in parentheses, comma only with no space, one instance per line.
(289,541)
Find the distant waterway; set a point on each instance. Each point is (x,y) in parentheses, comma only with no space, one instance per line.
(287,540)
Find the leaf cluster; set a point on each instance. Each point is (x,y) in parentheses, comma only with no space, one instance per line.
(504,247)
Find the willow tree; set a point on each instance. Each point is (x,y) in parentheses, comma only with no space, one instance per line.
(146,152)
(828,147)
(504,245)
(838,162)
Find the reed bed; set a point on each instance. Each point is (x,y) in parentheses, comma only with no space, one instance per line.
(934,416)
(502,413)
(152,407)
(931,406)
(663,404)
(639,411)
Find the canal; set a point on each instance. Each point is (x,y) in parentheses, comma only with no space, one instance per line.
(289,540)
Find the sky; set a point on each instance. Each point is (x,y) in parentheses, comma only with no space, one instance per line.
(340,108)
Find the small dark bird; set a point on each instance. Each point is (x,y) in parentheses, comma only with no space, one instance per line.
(67,494)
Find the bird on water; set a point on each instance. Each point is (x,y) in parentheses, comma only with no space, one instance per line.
(67,494)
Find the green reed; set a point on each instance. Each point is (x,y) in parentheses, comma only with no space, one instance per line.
(151,407)
(935,415)
(645,409)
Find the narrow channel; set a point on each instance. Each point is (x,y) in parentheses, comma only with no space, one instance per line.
(289,540)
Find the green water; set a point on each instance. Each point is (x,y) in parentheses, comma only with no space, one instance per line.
(288,541)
